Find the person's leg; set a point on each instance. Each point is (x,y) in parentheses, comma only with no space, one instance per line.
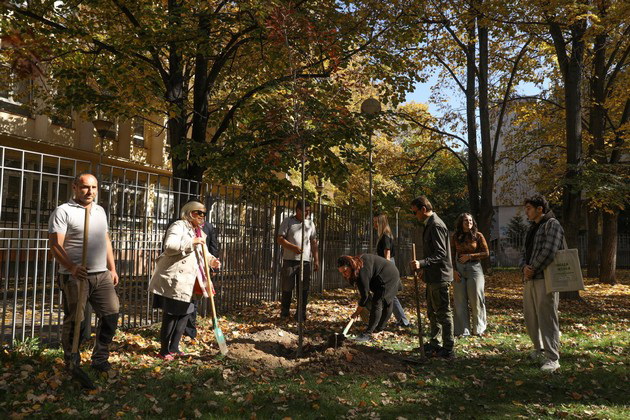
(105,303)
(287,277)
(432,304)
(70,300)
(191,325)
(386,313)
(399,312)
(476,285)
(169,322)
(306,286)
(460,298)
(178,331)
(375,314)
(549,327)
(530,314)
(444,315)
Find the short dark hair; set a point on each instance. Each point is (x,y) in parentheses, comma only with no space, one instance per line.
(298,206)
(422,201)
(538,201)
(77,179)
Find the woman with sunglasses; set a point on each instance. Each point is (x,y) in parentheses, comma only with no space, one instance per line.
(179,276)
(371,273)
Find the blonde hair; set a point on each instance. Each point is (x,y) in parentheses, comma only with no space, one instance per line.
(188,208)
(383,226)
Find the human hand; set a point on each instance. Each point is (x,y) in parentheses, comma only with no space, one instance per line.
(457,276)
(115,278)
(464,258)
(316,266)
(296,249)
(415,265)
(215,264)
(357,314)
(198,241)
(528,271)
(79,272)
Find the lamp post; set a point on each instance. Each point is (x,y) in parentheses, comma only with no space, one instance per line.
(371,107)
(102,128)
(320,189)
(397,210)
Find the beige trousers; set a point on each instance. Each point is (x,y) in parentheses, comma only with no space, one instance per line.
(541,318)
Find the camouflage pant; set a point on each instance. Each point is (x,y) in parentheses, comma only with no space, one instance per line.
(440,314)
(99,290)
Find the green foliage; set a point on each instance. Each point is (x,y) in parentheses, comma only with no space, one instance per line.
(515,229)
(29,347)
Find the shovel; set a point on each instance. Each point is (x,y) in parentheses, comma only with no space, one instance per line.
(75,368)
(218,334)
(418,314)
(337,339)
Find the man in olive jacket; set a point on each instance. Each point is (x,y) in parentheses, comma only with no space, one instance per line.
(437,271)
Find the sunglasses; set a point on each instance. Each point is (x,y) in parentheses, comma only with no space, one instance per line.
(199,212)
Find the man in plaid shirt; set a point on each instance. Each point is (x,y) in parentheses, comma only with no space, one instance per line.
(544,237)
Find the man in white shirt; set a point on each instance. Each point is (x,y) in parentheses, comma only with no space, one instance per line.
(290,238)
(65,233)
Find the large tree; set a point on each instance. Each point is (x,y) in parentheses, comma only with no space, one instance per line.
(198,64)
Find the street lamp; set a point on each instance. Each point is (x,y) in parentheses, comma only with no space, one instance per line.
(397,210)
(371,107)
(320,189)
(102,128)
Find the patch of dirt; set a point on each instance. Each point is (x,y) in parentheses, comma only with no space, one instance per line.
(276,348)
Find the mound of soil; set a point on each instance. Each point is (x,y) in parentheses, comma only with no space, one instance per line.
(276,348)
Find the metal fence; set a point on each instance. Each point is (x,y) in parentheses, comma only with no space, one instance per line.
(506,252)
(140,205)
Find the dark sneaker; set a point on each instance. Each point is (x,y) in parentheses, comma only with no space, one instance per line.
(363,338)
(401,324)
(431,350)
(103,366)
(446,354)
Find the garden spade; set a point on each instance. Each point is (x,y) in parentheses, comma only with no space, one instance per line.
(218,334)
(417,287)
(337,339)
(75,368)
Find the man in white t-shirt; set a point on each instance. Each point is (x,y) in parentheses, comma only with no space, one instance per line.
(65,233)
(290,238)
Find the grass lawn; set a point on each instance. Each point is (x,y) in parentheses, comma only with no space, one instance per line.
(260,378)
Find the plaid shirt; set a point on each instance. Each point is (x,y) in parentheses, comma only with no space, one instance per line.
(548,240)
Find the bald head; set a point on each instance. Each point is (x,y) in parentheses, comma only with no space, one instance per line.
(85,188)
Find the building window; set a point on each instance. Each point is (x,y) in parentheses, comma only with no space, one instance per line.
(15,93)
(138,132)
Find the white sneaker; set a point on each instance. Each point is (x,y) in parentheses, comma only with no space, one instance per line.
(536,355)
(550,366)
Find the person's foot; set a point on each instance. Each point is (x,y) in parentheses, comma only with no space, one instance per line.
(550,366)
(165,357)
(536,355)
(431,350)
(103,366)
(178,353)
(363,338)
(445,354)
(401,324)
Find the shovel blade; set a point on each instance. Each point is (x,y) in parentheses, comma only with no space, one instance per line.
(81,377)
(218,334)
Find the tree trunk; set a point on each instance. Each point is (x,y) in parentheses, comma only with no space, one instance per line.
(471,117)
(609,248)
(594,246)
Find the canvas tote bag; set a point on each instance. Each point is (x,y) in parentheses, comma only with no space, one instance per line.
(564,274)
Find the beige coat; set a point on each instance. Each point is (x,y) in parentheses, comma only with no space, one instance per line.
(177,267)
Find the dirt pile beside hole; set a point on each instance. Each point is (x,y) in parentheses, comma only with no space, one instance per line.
(276,348)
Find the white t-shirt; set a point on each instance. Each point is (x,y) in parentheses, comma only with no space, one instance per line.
(291,229)
(69,219)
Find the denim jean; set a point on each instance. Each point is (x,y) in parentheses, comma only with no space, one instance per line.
(398,311)
(469,291)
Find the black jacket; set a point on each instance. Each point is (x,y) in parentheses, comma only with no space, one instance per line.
(436,252)
(378,276)
(211,238)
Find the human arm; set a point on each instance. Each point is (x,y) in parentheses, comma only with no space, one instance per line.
(314,247)
(456,275)
(482,248)
(176,241)
(59,252)
(288,245)
(111,265)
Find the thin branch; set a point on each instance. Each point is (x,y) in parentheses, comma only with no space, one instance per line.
(532,151)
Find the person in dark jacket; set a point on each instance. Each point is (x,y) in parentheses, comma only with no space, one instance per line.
(371,273)
(436,269)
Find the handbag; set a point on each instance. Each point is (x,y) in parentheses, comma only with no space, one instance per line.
(564,274)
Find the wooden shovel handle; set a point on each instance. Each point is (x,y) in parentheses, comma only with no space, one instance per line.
(78,313)
(208,285)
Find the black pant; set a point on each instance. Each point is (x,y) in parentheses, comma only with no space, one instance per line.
(290,276)
(191,325)
(380,313)
(171,332)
